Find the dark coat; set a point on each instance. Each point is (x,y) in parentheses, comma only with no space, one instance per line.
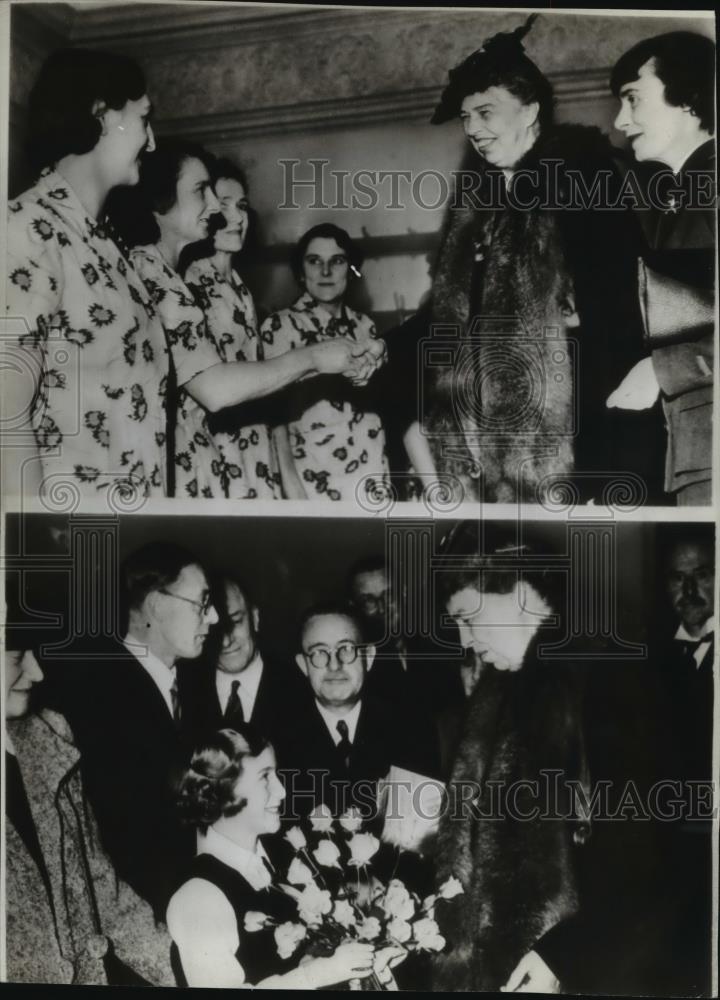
(681,245)
(518,876)
(133,756)
(275,704)
(65,939)
(522,396)
(384,737)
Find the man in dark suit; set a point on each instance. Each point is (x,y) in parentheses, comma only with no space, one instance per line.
(406,667)
(666,86)
(343,739)
(126,703)
(236,681)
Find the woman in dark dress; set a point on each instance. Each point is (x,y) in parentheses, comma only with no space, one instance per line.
(232,794)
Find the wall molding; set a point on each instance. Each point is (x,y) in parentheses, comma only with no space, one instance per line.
(350,113)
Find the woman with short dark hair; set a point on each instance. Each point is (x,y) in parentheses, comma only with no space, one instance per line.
(91,350)
(232,794)
(332,443)
(241,434)
(176,188)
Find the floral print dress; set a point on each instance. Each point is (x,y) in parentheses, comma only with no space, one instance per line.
(98,416)
(337,441)
(249,468)
(198,463)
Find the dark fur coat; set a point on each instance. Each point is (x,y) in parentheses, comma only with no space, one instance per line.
(543,336)
(518,876)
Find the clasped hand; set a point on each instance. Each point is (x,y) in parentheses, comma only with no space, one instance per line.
(357,361)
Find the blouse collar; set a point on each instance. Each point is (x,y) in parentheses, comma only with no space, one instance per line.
(249,864)
(342,325)
(63,198)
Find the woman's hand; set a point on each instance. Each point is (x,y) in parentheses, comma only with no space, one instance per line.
(337,357)
(385,960)
(353,960)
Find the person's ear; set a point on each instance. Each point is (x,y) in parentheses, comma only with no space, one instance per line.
(531,113)
(255,616)
(300,660)
(370,653)
(99,110)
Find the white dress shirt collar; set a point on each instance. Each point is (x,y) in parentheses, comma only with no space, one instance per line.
(162,675)
(249,679)
(705,636)
(249,864)
(331,720)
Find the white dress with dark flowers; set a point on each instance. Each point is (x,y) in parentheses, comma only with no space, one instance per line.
(198,462)
(100,354)
(248,466)
(337,441)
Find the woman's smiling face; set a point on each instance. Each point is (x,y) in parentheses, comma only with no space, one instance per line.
(234,206)
(263,793)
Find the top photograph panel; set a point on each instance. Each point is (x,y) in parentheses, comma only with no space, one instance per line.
(359,256)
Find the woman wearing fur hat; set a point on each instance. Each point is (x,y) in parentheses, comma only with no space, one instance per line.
(541,293)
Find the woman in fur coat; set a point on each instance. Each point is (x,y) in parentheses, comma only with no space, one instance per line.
(537,299)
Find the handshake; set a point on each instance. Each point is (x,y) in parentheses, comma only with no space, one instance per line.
(357,361)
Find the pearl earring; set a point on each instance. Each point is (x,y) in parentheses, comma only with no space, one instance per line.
(121,128)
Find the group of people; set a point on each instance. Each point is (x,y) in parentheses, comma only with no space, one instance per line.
(156,773)
(149,370)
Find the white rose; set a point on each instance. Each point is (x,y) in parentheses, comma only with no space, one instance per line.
(327,854)
(351,820)
(313,903)
(450,888)
(427,935)
(321,819)
(362,847)
(255,921)
(299,873)
(296,838)
(397,901)
(344,913)
(287,937)
(399,930)
(369,929)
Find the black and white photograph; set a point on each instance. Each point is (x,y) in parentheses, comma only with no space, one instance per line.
(476,755)
(442,281)
(335,254)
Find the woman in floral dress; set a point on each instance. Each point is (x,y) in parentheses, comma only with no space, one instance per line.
(333,444)
(240,434)
(176,186)
(91,360)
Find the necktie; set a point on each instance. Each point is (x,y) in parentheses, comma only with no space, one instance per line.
(234,714)
(344,746)
(690,647)
(174,698)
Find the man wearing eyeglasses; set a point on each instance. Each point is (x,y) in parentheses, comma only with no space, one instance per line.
(344,739)
(128,707)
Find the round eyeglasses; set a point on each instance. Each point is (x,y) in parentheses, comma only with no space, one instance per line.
(202,606)
(345,653)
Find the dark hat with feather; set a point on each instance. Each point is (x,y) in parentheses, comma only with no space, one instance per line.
(499,62)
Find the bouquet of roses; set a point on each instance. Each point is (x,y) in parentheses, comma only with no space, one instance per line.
(339,898)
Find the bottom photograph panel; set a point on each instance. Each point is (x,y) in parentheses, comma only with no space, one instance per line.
(363,754)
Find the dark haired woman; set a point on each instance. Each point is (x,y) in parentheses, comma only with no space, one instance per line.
(241,435)
(333,444)
(95,363)
(540,281)
(232,794)
(176,186)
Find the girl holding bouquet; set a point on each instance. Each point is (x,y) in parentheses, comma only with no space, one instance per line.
(231,924)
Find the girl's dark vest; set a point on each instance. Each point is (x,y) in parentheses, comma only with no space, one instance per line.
(257,952)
